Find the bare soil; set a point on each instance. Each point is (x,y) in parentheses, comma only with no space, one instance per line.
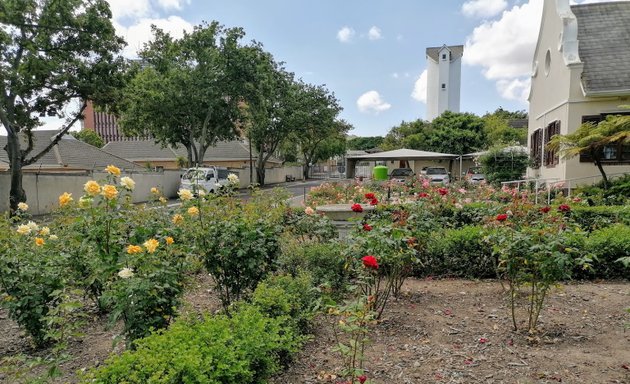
(439,331)
(459,331)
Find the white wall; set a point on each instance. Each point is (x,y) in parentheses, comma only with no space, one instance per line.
(272,175)
(43,189)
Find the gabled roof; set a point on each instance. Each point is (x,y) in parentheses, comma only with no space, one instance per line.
(69,153)
(406,154)
(149,150)
(457,51)
(604,46)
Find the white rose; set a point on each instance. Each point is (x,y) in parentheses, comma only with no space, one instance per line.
(125,273)
(128,183)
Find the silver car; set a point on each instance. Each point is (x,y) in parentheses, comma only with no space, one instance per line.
(438,175)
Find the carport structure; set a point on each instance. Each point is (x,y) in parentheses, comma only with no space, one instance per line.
(398,158)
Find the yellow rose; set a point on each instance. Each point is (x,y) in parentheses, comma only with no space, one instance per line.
(185,194)
(23,229)
(109,191)
(113,170)
(128,183)
(155,191)
(65,198)
(53,237)
(151,245)
(133,249)
(163,200)
(92,188)
(169,240)
(33,226)
(45,231)
(39,241)
(177,219)
(23,206)
(193,211)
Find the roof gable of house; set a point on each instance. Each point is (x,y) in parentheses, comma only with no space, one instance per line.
(68,153)
(604,46)
(456,51)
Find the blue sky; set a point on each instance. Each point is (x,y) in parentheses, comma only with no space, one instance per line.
(370,53)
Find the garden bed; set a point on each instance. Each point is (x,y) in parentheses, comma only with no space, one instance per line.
(459,331)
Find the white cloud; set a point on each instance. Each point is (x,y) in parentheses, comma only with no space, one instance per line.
(346,34)
(395,75)
(371,102)
(131,9)
(375,33)
(172,4)
(399,37)
(483,8)
(420,88)
(515,89)
(505,47)
(140,32)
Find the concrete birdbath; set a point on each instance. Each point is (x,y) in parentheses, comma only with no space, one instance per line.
(343,216)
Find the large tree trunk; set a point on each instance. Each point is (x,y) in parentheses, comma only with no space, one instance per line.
(16,193)
(260,168)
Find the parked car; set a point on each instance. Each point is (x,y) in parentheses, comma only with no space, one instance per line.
(207,179)
(474,175)
(402,175)
(438,175)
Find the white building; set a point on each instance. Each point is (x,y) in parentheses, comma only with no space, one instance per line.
(580,73)
(444,72)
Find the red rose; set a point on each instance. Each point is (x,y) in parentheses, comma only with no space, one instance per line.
(374,201)
(564,208)
(483,340)
(367,227)
(443,191)
(502,217)
(357,208)
(369,261)
(370,196)
(545,209)
(362,379)
(423,195)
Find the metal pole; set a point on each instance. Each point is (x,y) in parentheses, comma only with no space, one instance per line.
(536,191)
(460,168)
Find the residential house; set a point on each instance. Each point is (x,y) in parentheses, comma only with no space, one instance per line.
(68,155)
(580,73)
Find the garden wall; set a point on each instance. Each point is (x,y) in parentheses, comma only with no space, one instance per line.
(272,175)
(43,188)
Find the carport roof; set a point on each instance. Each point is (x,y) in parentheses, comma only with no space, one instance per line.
(405,154)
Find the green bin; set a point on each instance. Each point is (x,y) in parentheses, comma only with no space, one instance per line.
(380,172)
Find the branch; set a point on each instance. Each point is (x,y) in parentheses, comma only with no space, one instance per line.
(56,138)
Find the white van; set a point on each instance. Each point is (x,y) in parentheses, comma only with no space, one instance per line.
(207,179)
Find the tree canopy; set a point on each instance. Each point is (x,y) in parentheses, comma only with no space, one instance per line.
(54,54)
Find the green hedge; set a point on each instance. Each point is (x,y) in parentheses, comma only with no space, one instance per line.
(459,252)
(608,245)
(592,218)
(247,347)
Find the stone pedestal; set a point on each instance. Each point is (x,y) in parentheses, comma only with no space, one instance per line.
(342,216)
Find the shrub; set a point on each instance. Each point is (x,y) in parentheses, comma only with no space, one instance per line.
(592,218)
(607,246)
(323,261)
(504,164)
(31,277)
(247,347)
(459,252)
(309,227)
(470,214)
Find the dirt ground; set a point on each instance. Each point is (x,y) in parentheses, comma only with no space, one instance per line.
(458,331)
(440,331)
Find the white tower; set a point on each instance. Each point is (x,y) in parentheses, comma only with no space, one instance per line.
(444,73)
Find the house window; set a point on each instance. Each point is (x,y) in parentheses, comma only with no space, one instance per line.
(444,56)
(611,154)
(443,85)
(551,157)
(535,150)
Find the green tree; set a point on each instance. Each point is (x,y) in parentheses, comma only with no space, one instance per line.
(456,133)
(189,90)
(364,143)
(314,119)
(410,135)
(592,139)
(501,163)
(90,137)
(268,105)
(53,53)
(498,131)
